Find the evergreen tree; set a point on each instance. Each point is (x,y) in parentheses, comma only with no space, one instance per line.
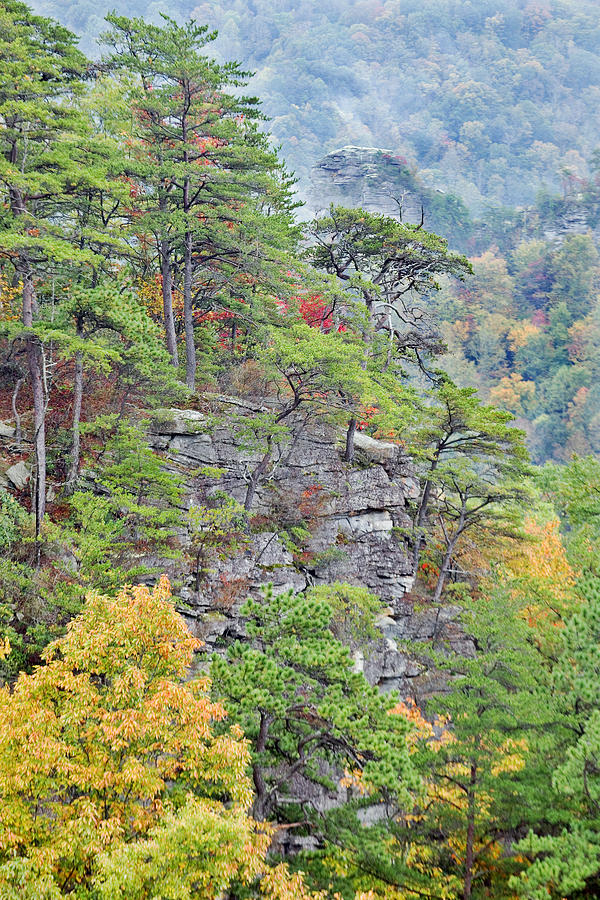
(389,267)
(308,715)
(567,862)
(204,168)
(473,477)
(55,175)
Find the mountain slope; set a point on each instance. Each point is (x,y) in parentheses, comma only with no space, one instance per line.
(491,99)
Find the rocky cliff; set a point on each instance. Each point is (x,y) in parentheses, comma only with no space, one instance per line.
(366,177)
(315,519)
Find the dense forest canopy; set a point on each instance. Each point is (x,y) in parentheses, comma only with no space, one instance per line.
(489,99)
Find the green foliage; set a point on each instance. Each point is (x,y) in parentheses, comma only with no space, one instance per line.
(567,862)
(215,529)
(209,194)
(13,519)
(574,490)
(382,261)
(353,612)
(148,199)
(307,714)
(473,474)
(130,516)
(498,726)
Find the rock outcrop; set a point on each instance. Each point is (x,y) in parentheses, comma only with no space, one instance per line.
(366,177)
(315,519)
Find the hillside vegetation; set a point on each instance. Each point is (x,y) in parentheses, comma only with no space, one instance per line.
(153,273)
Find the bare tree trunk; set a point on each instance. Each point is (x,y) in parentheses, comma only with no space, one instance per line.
(167,297)
(188,318)
(263,465)
(76,442)
(349,452)
(444,569)
(39,408)
(259,808)
(419,528)
(16,416)
(257,475)
(190,349)
(470,846)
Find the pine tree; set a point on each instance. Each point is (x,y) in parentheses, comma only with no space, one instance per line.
(567,862)
(211,191)
(306,712)
(55,175)
(473,477)
(391,268)
(501,727)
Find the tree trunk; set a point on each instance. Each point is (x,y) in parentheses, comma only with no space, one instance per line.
(451,546)
(17,417)
(34,365)
(190,349)
(76,441)
(470,845)
(257,475)
(349,452)
(167,297)
(259,807)
(419,532)
(188,318)
(263,465)
(444,569)
(423,510)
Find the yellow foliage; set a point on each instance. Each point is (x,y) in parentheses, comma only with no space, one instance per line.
(543,577)
(512,757)
(511,392)
(93,742)
(422,730)
(10,303)
(111,773)
(279,884)
(149,293)
(520,334)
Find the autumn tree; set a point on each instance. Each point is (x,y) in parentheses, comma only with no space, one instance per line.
(108,742)
(203,167)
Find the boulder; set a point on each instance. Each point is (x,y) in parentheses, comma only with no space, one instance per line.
(19,475)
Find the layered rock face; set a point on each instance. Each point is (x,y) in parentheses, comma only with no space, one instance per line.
(315,519)
(366,177)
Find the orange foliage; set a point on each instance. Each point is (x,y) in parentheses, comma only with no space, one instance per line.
(544,577)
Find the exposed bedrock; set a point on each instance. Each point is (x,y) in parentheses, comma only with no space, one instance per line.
(315,519)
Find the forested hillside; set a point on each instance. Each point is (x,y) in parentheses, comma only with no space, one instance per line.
(286,610)
(524,331)
(489,99)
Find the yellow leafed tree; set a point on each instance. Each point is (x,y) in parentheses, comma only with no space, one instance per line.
(113,783)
